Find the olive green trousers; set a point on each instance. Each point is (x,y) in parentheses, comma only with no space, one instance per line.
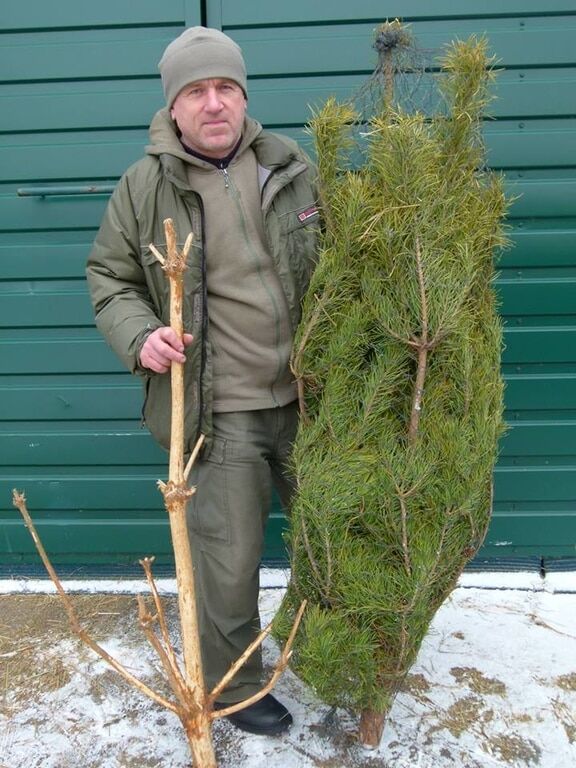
(226,523)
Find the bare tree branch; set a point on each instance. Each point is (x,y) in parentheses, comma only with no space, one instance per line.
(19,501)
(280,667)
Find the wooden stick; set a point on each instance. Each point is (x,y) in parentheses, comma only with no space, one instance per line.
(176,494)
(146,564)
(175,678)
(194,456)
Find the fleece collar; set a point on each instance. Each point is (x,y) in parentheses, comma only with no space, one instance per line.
(272,151)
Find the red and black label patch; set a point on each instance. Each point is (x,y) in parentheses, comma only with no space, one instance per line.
(308,213)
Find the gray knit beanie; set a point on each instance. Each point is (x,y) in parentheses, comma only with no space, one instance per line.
(200,53)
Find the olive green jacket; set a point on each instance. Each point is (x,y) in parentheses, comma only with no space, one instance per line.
(129,289)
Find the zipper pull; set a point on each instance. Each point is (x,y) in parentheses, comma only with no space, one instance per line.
(226,177)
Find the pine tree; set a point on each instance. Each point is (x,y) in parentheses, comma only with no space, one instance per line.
(398,361)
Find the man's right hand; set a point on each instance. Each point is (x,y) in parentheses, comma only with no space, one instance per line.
(162,347)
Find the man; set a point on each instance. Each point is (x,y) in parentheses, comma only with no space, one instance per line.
(249,198)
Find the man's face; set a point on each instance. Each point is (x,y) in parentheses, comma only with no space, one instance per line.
(210,115)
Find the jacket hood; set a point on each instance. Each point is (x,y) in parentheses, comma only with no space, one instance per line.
(271,150)
(165,140)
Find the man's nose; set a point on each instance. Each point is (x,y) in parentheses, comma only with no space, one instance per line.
(213,100)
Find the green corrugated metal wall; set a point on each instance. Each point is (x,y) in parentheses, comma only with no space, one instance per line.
(78,85)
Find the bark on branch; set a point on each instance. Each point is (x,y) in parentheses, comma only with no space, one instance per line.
(422,344)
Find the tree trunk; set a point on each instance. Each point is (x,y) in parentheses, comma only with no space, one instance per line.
(371,727)
(199,733)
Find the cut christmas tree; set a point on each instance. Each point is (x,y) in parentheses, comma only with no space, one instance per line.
(398,363)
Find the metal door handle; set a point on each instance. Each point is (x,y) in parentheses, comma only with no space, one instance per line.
(102,189)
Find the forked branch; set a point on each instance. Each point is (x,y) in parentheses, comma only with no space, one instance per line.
(19,501)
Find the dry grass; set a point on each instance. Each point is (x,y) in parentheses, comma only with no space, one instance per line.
(513,749)
(478,682)
(464,714)
(567,718)
(417,686)
(566,682)
(33,626)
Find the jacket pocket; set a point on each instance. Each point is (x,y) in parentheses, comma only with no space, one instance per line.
(299,234)
(157,282)
(307,215)
(210,508)
(159,286)
(157,408)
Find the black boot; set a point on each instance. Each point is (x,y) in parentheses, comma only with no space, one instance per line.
(266,717)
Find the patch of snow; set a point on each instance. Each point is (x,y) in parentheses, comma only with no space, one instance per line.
(493,685)
(270,578)
(560,582)
(521,580)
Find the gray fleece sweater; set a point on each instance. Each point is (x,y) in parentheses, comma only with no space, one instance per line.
(249,327)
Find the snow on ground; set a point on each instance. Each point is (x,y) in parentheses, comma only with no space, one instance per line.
(493,685)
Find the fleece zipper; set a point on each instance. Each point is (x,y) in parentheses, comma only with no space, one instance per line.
(203,319)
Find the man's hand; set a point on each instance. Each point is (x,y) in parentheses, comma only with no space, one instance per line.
(162,347)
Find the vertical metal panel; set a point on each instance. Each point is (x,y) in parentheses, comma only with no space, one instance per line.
(79,85)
